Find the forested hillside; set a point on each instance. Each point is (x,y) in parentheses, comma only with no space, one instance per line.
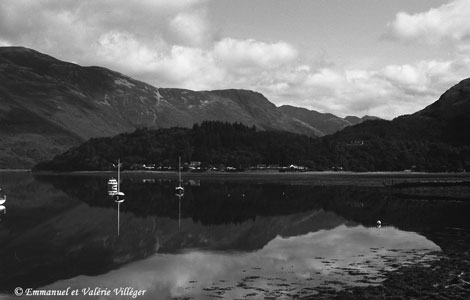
(371,146)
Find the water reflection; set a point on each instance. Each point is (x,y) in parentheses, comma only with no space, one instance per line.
(3,211)
(284,267)
(3,200)
(272,237)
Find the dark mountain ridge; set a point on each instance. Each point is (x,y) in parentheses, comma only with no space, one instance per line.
(326,123)
(48,106)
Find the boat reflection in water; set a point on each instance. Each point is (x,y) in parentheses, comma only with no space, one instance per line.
(179,191)
(231,240)
(114,190)
(3,199)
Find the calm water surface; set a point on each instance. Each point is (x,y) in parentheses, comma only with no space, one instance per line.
(225,239)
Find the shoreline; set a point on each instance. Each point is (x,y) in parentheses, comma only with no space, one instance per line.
(256,172)
(326,178)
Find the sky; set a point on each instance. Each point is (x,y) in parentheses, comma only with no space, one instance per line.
(363,57)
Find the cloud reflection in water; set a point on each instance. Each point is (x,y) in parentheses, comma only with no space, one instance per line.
(343,255)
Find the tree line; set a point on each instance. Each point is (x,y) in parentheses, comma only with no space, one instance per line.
(372,146)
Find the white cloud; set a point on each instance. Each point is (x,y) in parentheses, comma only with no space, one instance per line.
(163,65)
(194,67)
(448,23)
(190,67)
(387,92)
(68,27)
(324,78)
(172,44)
(248,54)
(191,28)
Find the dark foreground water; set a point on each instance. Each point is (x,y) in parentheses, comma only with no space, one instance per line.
(247,239)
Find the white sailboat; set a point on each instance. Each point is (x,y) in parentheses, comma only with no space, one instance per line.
(179,189)
(114,186)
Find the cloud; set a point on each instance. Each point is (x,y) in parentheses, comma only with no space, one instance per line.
(242,54)
(191,28)
(161,65)
(174,44)
(70,27)
(386,92)
(447,23)
(189,273)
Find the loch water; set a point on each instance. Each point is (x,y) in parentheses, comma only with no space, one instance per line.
(225,238)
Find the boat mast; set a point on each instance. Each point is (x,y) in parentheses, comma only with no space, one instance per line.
(119,178)
(179,169)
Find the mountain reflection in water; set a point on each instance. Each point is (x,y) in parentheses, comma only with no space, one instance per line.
(234,239)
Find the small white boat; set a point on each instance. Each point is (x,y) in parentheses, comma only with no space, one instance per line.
(3,197)
(3,208)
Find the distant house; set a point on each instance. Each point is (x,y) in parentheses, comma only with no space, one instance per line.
(149,166)
(355,143)
(293,168)
(261,167)
(194,164)
(143,167)
(230,169)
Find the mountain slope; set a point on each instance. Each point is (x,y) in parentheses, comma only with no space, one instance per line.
(444,121)
(451,113)
(433,139)
(47,106)
(326,123)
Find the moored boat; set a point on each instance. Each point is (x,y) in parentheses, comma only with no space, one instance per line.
(3,197)
(179,190)
(114,186)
